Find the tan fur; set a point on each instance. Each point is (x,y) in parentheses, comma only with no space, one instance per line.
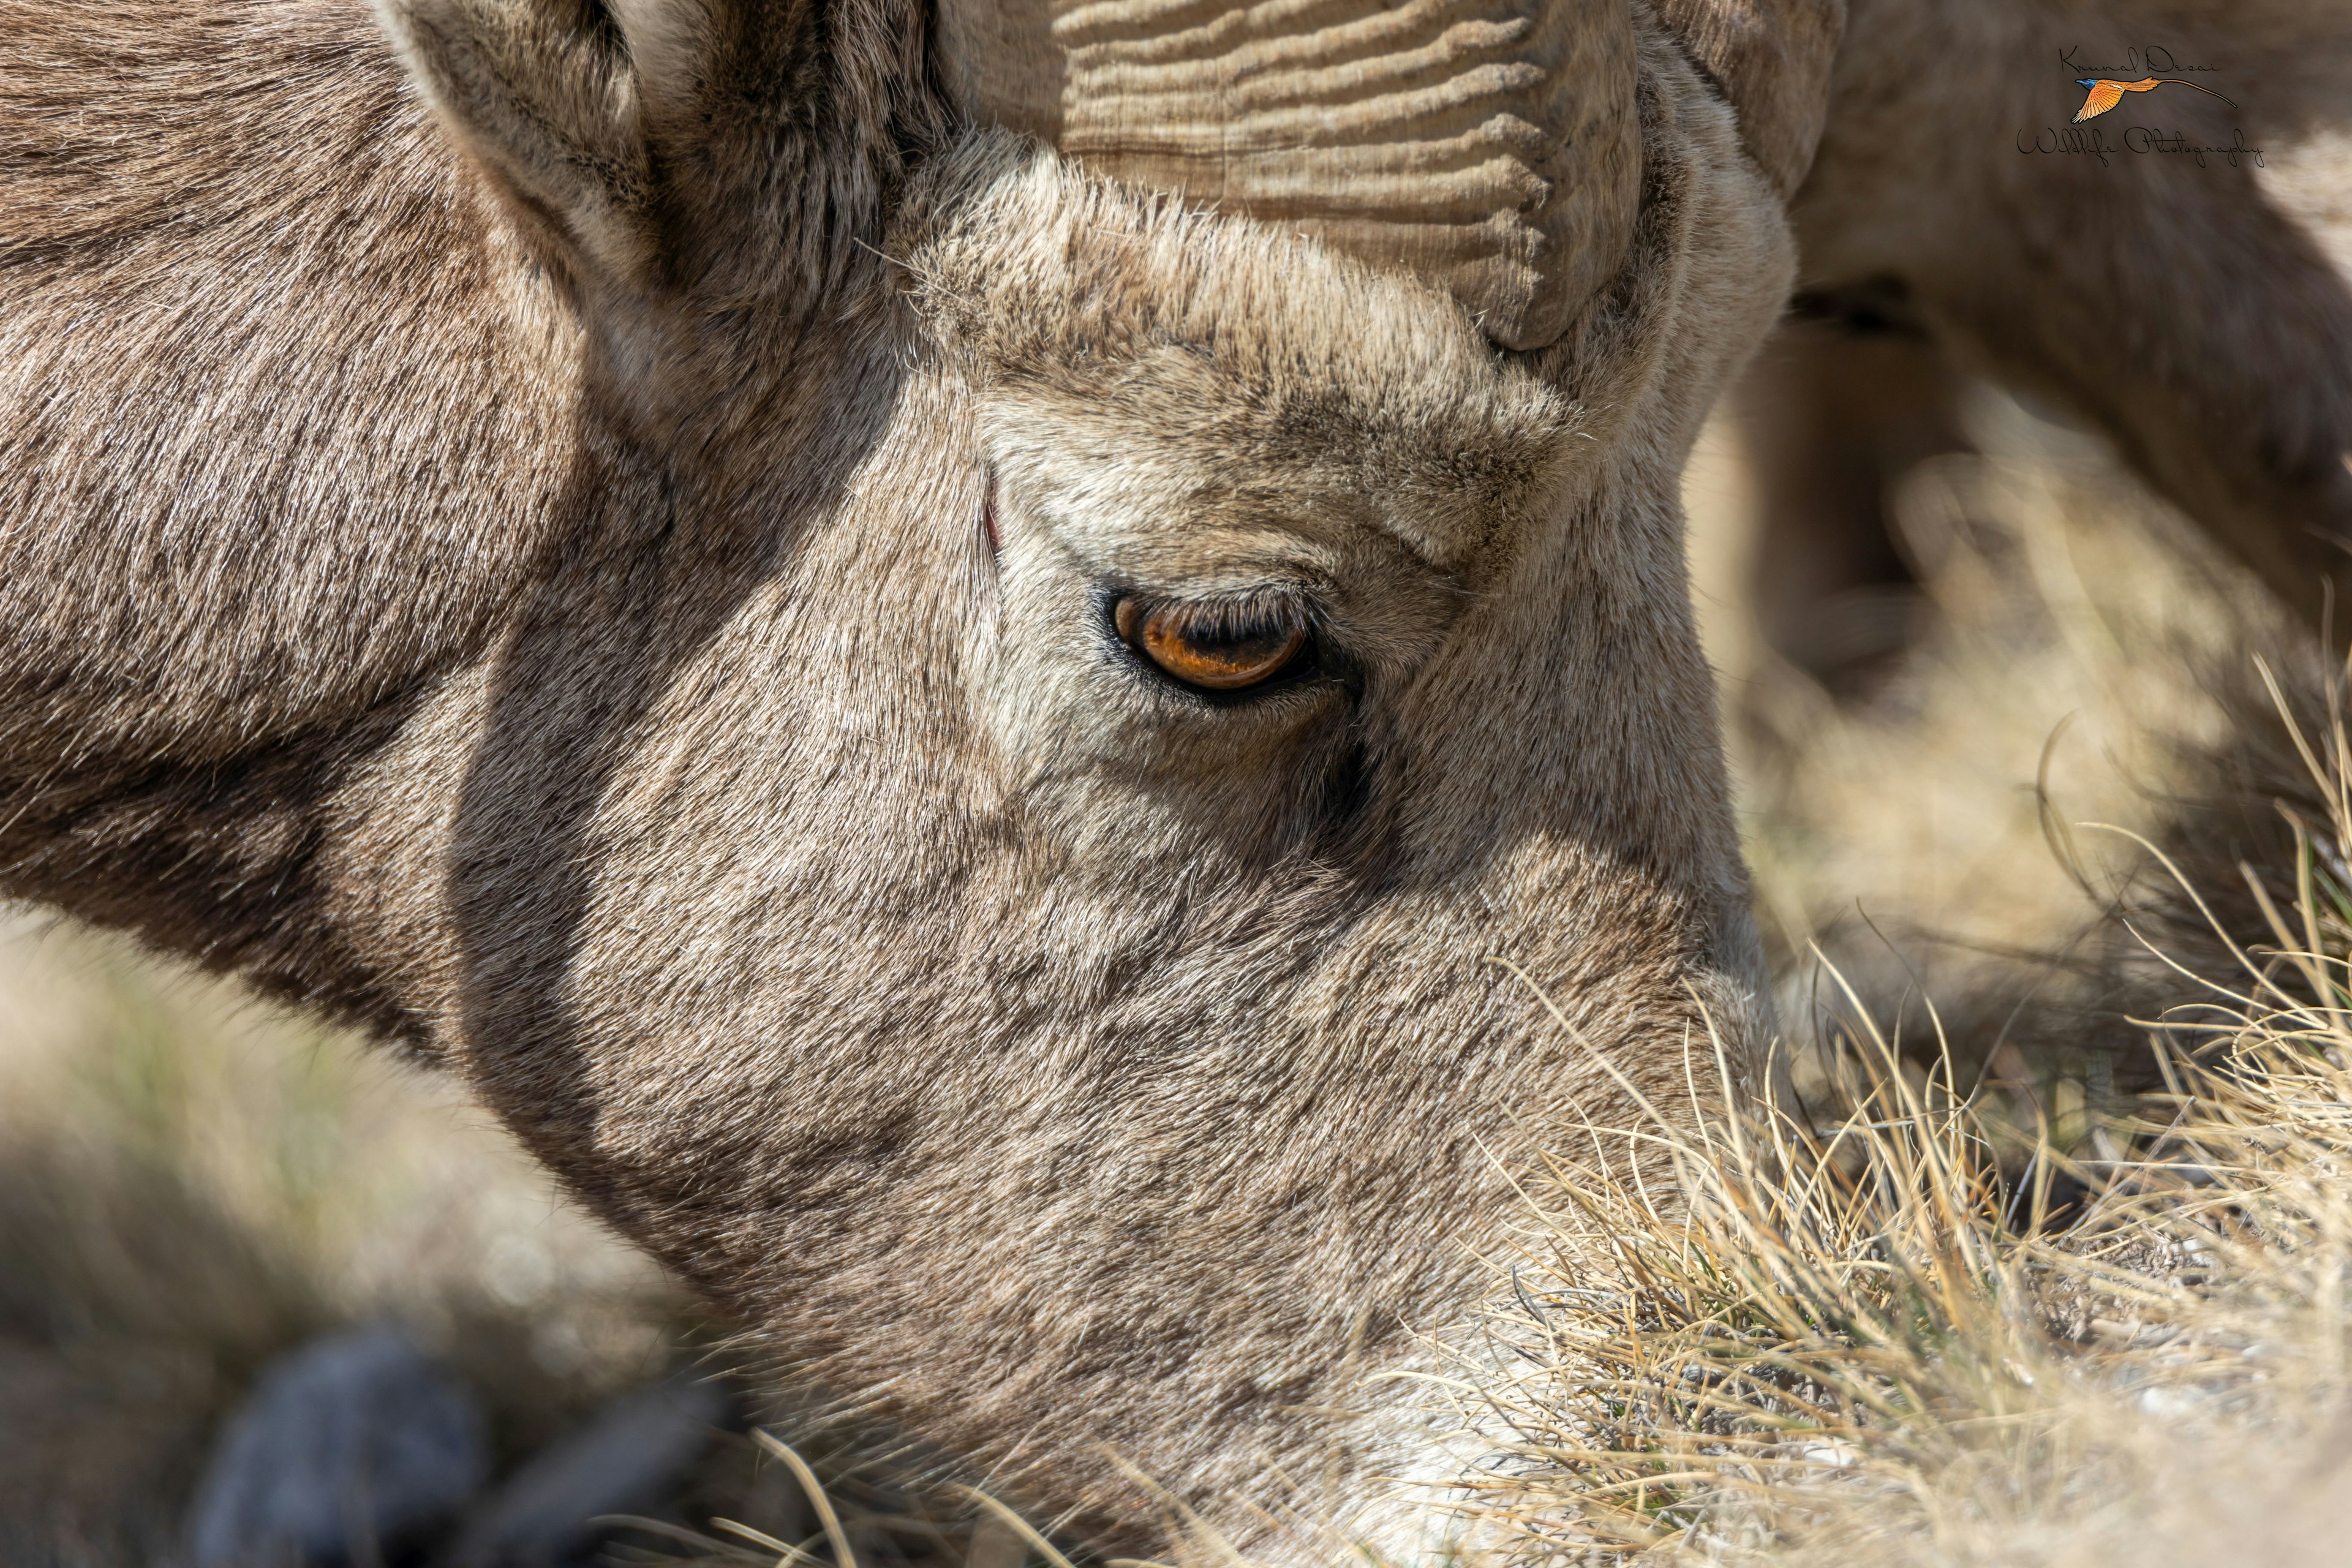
(540,603)
(606,582)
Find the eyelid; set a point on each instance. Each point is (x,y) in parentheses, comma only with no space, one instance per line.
(1263,601)
(1222,645)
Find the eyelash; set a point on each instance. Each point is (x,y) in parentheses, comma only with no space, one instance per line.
(1207,647)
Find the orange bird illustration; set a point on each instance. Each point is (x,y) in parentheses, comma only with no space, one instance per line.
(2106,94)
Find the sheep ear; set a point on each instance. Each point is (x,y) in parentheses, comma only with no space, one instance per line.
(544,96)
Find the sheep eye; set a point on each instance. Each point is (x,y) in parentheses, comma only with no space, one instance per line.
(1218,648)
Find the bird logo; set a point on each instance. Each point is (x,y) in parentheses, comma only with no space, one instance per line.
(2105,92)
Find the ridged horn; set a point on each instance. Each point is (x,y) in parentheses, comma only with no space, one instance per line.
(1489,145)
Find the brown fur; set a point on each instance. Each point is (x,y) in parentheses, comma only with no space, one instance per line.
(1771,58)
(2187,311)
(605,581)
(539,605)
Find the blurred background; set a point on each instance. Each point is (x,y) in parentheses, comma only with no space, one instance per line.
(1934,611)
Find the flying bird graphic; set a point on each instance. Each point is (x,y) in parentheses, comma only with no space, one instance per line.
(2106,94)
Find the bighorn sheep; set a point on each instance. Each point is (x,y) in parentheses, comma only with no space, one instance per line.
(2195,305)
(937,650)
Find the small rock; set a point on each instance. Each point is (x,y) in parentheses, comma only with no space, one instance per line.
(628,1459)
(1829,1454)
(2167,1403)
(352,1444)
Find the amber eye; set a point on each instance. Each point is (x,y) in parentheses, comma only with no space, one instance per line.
(1219,647)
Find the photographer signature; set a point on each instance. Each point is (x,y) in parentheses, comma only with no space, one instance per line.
(2105,92)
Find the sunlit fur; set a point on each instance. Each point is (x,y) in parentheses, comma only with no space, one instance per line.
(502,561)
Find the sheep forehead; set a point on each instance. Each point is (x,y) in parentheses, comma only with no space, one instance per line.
(1180,355)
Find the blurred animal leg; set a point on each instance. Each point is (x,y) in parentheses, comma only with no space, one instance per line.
(1847,396)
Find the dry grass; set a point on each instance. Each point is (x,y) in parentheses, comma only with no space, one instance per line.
(1878,1341)
(2053,1272)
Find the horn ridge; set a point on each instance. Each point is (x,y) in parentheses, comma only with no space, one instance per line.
(1281,37)
(1462,105)
(1449,63)
(1490,146)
